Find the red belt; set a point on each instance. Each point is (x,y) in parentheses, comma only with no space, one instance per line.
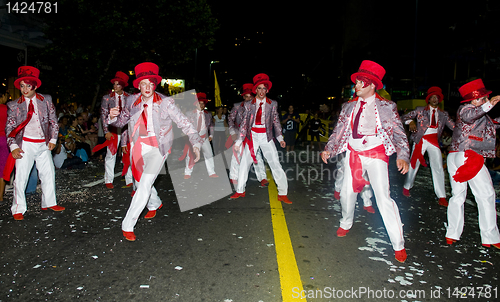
(472,165)
(34,140)
(358,181)
(259,130)
(417,151)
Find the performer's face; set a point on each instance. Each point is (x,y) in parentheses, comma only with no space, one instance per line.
(261,91)
(27,90)
(364,92)
(117,87)
(200,105)
(480,101)
(434,101)
(147,88)
(247,97)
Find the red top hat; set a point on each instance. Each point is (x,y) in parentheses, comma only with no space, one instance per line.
(434,90)
(27,73)
(247,89)
(473,90)
(146,70)
(372,71)
(121,77)
(261,78)
(201,97)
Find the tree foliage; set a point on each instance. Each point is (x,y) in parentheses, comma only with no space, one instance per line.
(91,40)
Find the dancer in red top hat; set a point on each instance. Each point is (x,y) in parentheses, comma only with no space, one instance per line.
(234,121)
(112,134)
(474,138)
(149,115)
(426,133)
(369,130)
(261,118)
(202,120)
(32,133)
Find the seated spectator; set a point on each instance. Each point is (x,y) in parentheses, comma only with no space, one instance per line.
(64,156)
(93,129)
(77,136)
(63,125)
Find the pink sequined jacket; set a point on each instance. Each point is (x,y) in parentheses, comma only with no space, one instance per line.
(17,113)
(272,120)
(164,113)
(389,129)
(422,115)
(235,117)
(474,130)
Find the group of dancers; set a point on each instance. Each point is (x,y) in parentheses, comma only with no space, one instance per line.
(368,131)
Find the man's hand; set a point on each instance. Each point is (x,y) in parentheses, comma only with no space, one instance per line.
(108,136)
(16,153)
(114,112)
(403,166)
(209,138)
(236,148)
(494,100)
(125,149)
(51,146)
(196,152)
(282,144)
(325,155)
(412,126)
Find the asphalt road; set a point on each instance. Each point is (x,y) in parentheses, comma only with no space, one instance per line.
(226,250)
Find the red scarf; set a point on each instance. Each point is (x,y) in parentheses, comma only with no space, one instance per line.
(358,181)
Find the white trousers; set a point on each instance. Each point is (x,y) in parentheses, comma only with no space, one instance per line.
(366,193)
(259,168)
(145,194)
(484,193)
(34,153)
(109,166)
(436,163)
(378,175)
(271,155)
(206,149)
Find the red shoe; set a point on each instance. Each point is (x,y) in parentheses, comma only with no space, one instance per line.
(151,214)
(264,183)
(129,185)
(284,198)
(237,195)
(406,192)
(187,176)
(213,175)
(400,255)
(109,186)
(443,202)
(130,236)
(55,208)
(233,181)
(369,209)
(341,232)
(18,216)
(450,241)
(497,245)
(336,195)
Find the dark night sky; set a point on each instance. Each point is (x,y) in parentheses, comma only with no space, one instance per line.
(328,41)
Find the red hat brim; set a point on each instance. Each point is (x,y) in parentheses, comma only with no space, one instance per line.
(119,80)
(37,80)
(138,80)
(265,82)
(439,94)
(486,93)
(376,81)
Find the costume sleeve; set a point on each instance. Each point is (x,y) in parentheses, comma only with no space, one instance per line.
(183,123)
(399,136)
(104,114)
(470,113)
(277,124)
(231,119)
(53,125)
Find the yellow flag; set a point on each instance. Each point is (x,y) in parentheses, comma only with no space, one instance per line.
(218,101)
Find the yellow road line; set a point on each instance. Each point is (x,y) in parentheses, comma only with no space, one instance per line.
(291,285)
